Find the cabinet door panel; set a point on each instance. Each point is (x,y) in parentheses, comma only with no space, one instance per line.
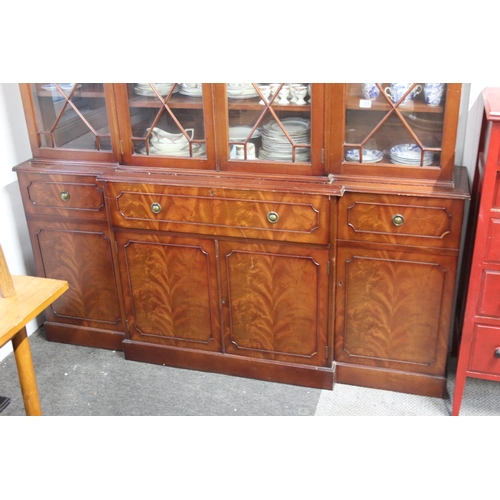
(81,254)
(393,309)
(276,301)
(170,290)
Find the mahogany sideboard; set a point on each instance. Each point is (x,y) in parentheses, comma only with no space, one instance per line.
(248,230)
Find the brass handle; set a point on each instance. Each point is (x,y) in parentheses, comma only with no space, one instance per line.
(398,220)
(155,208)
(64,196)
(272,217)
(497,352)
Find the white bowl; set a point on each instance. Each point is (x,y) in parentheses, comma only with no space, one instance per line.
(166,141)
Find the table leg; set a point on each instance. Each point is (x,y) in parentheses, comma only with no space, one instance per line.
(26,372)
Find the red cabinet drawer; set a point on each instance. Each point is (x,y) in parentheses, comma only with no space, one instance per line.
(486,341)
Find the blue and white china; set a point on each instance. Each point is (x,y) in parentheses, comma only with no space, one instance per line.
(397,90)
(410,154)
(433,93)
(370,90)
(369,155)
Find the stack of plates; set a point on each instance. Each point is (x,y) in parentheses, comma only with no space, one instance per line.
(369,155)
(410,154)
(190,89)
(145,89)
(198,150)
(241,91)
(277,147)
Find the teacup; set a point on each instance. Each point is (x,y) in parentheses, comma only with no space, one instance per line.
(240,151)
(397,90)
(284,94)
(433,93)
(266,91)
(299,92)
(370,90)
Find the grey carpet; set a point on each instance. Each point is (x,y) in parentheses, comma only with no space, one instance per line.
(81,381)
(84,381)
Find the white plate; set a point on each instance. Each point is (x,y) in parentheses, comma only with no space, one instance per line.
(198,150)
(369,155)
(409,152)
(241,133)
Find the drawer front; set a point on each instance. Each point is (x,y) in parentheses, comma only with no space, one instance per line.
(221,212)
(485,345)
(62,195)
(401,220)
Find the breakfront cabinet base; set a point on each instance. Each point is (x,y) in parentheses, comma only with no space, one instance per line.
(86,337)
(284,373)
(391,380)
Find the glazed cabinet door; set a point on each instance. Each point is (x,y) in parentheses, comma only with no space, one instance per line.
(270,127)
(166,124)
(170,290)
(71,121)
(81,253)
(393,313)
(394,130)
(275,301)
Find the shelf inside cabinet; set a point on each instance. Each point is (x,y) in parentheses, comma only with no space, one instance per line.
(175,101)
(356,101)
(253,104)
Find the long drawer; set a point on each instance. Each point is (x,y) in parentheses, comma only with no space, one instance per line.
(62,195)
(400,220)
(220,212)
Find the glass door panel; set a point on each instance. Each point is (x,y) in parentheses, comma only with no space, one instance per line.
(394,123)
(71,116)
(269,122)
(167,119)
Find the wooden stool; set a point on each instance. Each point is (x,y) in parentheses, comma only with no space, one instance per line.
(22,299)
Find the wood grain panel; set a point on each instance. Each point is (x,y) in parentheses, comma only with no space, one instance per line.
(170,290)
(276,299)
(82,256)
(393,309)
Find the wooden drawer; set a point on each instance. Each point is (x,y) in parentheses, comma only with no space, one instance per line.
(221,212)
(62,195)
(482,359)
(400,220)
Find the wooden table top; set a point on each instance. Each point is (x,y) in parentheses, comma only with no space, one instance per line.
(33,295)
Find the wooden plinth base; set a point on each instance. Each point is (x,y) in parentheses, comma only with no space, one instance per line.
(271,371)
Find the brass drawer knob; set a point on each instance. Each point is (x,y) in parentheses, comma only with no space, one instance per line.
(497,352)
(272,217)
(155,208)
(64,196)
(398,220)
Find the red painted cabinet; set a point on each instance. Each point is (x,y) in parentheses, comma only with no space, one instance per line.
(479,355)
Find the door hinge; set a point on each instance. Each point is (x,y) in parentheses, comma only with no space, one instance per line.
(116,247)
(121,146)
(328,267)
(323,156)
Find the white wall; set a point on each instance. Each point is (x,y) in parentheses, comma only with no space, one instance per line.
(15,149)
